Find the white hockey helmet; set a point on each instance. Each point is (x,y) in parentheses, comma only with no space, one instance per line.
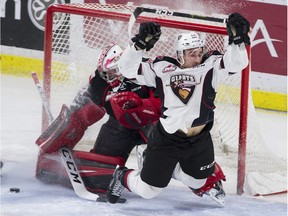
(108,63)
(186,41)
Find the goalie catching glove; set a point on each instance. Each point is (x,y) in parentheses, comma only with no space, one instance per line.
(238,27)
(149,34)
(133,112)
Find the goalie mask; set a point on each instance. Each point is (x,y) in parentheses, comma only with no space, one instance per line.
(107,65)
(186,41)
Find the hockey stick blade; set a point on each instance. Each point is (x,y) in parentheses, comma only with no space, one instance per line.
(74,176)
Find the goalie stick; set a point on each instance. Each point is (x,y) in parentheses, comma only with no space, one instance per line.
(166,12)
(66,154)
(74,175)
(76,179)
(43,97)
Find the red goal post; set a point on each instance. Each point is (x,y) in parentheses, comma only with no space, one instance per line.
(76,33)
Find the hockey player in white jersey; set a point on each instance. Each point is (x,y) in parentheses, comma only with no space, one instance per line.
(180,145)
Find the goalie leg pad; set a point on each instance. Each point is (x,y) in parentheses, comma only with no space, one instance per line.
(69,127)
(96,170)
(50,169)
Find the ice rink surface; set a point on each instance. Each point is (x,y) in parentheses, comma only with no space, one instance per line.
(20,127)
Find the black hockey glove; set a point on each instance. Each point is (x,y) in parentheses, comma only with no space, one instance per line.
(149,34)
(238,27)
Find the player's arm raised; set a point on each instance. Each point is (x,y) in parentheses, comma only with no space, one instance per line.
(131,64)
(236,58)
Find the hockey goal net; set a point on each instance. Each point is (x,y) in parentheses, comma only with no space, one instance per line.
(75,34)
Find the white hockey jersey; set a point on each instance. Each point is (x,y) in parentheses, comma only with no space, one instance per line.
(187,95)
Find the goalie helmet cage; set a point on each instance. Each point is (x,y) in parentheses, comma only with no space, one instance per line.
(75,34)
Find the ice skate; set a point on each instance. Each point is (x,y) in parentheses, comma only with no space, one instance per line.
(116,187)
(213,187)
(217,193)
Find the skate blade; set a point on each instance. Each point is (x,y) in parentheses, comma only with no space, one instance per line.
(103,198)
(219,199)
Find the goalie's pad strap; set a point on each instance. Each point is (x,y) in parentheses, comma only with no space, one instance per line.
(99,158)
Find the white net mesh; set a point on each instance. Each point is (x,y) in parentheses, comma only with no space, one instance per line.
(77,41)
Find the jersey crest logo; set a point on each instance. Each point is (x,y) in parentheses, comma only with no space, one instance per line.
(183,86)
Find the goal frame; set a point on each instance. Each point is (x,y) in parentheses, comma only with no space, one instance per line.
(163,22)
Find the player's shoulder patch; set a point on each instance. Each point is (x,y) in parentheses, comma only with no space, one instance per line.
(168,64)
(167,59)
(209,54)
